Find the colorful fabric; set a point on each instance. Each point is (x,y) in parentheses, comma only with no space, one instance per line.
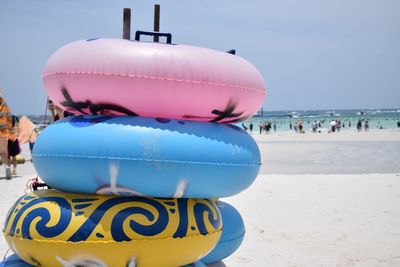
(5,119)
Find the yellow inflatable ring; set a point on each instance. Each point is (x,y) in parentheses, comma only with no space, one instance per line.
(50,229)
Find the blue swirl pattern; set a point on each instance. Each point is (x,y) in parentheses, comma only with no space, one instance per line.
(44,216)
(213,217)
(118,216)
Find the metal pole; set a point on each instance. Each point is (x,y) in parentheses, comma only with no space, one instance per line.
(156,22)
(126,34)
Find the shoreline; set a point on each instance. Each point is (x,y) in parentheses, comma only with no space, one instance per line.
(333,153)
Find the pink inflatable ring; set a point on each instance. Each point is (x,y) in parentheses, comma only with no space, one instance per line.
(123,77)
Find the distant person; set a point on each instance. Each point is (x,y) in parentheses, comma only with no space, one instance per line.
(314,126)
(244,127)
(13,145)
(260,125)
(366,126)
(267,127)
(349,124)
(251,127)
(398,124)
(338,125)
(333,126)
(52,108)
(300,126)
(56,112)
(5,127)
(274,127)
(359,126)
(290,126)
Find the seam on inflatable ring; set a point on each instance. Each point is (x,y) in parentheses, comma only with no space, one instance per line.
(157,78)
(149,160)
(110,241)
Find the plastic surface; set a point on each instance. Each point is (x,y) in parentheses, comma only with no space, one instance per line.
(14,261)
(122,77)
(90,230)
(232,234)
(145,156)
(196,264)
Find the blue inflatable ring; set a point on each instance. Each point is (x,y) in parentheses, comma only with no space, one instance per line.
(146,157)
(232,234)
(14,261)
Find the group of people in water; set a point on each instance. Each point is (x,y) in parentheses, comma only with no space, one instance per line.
(334,125)
(263,127)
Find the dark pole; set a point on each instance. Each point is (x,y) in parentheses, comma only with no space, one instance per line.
(126,34)
(156,21)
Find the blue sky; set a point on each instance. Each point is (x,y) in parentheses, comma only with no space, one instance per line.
(313,54)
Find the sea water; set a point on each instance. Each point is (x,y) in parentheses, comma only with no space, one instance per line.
(377,119)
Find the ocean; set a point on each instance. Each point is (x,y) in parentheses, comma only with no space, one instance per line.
(377,118)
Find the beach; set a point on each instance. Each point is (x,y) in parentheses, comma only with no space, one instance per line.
(150,99)
(321,199)
(347,152)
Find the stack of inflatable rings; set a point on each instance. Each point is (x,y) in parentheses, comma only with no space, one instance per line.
(140,167)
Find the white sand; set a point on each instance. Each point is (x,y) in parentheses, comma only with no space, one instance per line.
(320,220)
(329,218)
